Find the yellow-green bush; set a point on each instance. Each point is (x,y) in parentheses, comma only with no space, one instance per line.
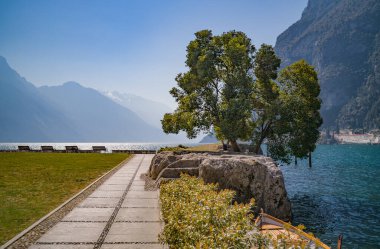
(197,215)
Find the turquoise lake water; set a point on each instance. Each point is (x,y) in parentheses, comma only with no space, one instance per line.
(340,194)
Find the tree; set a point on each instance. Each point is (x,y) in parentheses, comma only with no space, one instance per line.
(297,132)
(216,90)
(266,93)
(237,92)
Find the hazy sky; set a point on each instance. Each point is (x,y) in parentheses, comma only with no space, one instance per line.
(135,46)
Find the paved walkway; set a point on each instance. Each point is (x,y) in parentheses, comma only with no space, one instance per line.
(117,215)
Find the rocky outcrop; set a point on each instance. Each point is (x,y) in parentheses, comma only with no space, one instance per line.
(341,39)
(251,177)
(255,177)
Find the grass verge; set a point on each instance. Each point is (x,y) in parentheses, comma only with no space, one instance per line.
(32,184)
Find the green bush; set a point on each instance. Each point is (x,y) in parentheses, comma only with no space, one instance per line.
(197,215)
(177,148)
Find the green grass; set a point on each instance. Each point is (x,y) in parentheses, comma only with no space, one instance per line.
(33,184)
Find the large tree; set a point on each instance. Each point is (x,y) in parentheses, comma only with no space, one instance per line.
(301,118)
(216,90)
(235,90)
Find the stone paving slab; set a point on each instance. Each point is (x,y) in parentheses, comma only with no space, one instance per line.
(142,194)
(137,222)
(134,232)
(133,246)
(114,181)
(89,214)
(147,203)
(62,246)
(136,188)
(107,194)
(99,202)
(80,232)
(112,187)
(138,214)
(138,183)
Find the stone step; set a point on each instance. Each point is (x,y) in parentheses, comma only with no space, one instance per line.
(186,163)
(176,172)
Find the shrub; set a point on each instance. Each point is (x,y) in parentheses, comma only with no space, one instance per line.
(197,215)
(177,148)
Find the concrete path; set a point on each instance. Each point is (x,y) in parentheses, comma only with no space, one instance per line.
(117,215)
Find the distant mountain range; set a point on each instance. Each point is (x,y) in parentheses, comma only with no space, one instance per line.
(341,38)
(150,111)
(73,113)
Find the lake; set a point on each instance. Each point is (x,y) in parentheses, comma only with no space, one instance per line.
(340,194)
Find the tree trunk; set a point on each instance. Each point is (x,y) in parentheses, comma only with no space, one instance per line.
(257,149)
(295,160)
(310,159)
(235,146)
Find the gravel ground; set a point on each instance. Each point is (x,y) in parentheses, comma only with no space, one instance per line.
(33,235)
(150,184)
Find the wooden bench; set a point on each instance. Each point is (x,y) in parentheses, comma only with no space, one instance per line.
(23,148)
(47,148)
(72,149)
(99,148)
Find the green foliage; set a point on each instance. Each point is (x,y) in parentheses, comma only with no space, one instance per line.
(235,90)
(296,131)
(197,215)
(177,148)
(215,92)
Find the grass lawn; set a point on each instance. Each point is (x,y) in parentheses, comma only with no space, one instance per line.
(32,184)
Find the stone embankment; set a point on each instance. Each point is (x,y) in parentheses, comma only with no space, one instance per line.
(255,177)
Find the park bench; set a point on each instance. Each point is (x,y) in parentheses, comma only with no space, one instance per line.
(72,149)
(47,148)
(99,148)
(23,148)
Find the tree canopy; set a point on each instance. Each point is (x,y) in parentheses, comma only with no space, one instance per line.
(236,91)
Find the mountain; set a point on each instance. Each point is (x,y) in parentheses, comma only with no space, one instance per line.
(66,113)
(341,38)
(98,118)
(208,139)
(26,115)
(150,111)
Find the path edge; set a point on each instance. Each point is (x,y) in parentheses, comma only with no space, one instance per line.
(28,229)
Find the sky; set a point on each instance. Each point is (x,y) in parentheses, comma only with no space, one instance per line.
(133,46)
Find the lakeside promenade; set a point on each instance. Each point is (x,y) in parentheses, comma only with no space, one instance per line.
(118,214)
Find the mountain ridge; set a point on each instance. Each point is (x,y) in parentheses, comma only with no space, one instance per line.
(338,37)
(66,113)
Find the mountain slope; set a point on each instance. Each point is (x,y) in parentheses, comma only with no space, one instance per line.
(98,118)
(340,38)
(150,111)
(25,115)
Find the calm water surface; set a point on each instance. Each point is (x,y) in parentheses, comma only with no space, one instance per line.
(340,194)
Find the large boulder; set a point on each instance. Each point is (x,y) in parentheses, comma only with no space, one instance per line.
(251,177)
(255,177)
(175,161)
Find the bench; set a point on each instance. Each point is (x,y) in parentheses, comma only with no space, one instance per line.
(47,148)
(72,149)
(99,148)
(23,148)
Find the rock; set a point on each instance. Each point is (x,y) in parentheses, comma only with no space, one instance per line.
(161,161)
(255,177)
(250,177)
(341,39)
